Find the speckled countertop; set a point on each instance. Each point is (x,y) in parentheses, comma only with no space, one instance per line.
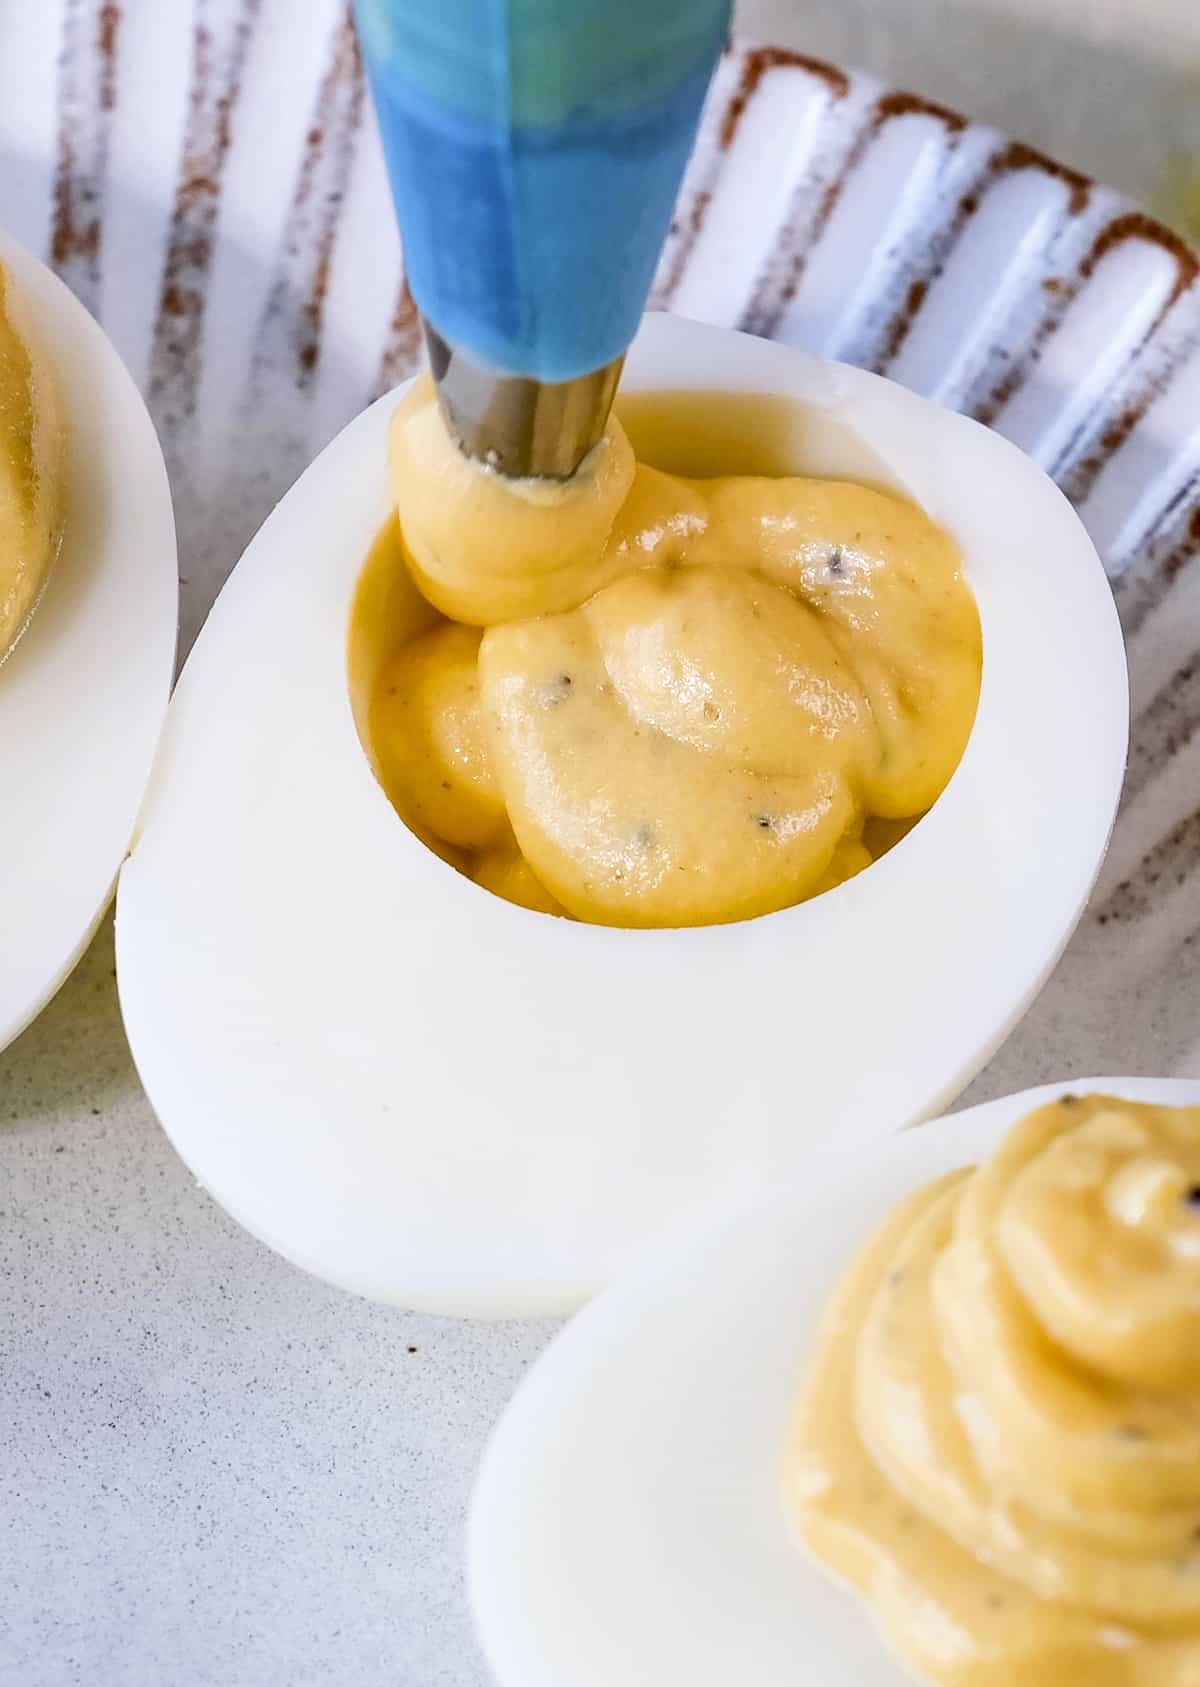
(219,1473)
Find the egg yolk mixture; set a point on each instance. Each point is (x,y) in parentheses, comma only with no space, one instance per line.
(1000,1438)
(31,491)
(646,700)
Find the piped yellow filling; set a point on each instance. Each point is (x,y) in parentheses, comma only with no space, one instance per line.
(652,701)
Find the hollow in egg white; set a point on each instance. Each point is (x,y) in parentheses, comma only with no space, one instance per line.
(427,1095)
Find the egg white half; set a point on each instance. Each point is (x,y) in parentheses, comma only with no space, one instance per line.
(433,1097)
(84,694)
(628,1526)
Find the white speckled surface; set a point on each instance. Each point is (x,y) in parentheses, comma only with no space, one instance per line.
(216,1472)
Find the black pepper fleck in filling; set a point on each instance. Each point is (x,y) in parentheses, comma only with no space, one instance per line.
(557,690)
(765,821)
(1068,1101)
(1193,1196)
(836,566)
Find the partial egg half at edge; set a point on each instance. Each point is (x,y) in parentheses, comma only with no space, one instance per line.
(643,1464)
(83,693)
(427,1095)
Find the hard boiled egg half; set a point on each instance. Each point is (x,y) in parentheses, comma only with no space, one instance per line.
(629,1525)
(84,687)
(426,1094)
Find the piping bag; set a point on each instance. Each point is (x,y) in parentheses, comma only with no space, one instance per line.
(535,150)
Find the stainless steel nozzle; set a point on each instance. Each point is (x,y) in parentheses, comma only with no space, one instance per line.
(519,426)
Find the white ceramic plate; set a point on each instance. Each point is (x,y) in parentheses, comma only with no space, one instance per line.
(430,1096)
(83,695)
(216,196)
(627,1527)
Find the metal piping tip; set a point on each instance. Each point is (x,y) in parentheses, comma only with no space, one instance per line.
(520,427)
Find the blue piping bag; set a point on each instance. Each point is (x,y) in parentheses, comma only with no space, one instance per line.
(535,150)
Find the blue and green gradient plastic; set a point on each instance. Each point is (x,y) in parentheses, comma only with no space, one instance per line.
(535,149)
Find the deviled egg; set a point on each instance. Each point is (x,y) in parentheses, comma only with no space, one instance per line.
(88,609)
(425,1093)
(666,1465)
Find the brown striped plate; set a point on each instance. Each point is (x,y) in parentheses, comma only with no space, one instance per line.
(207,177)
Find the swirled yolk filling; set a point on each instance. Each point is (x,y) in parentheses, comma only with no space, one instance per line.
(999,1442)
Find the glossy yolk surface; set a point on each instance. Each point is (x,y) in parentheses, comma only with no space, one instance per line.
(31,492)
(1000,1438)
(656,701)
